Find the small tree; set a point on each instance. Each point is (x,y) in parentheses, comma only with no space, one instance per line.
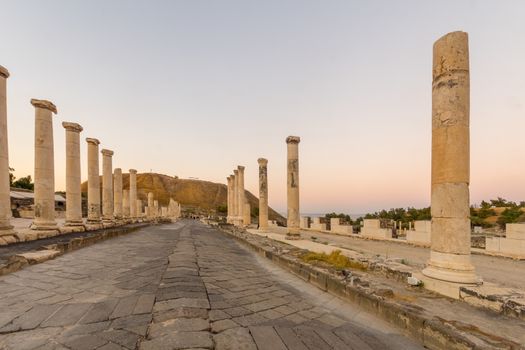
(11,177)
(25,183)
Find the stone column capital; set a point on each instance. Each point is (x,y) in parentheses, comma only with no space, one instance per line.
(4,72)
(235,172)
(240,168)
(293,139)
(107,152)
(132,171)
(44,104)
(117,170)
(262,161)
(95,142)
(72,126)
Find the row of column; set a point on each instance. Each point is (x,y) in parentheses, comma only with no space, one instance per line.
(236,198)
(238,207)
(44,176)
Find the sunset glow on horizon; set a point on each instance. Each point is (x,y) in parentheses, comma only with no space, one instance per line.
(193,89)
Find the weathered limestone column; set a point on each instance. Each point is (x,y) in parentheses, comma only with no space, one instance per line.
(117,193)
(235,197)
(93,181)
(450,238)
(5,199)
(156,211)
(293,187)
(44,166)
(139,208)
(246,218)
(151,201)
(125,203)
(73,192)
(132,193)
(229,198)
(263,194)
(240,194)
(107,185)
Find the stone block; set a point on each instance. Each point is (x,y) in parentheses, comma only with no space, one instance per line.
(372,223)
(418,237)
(506,246)
(515,231)
(305,222)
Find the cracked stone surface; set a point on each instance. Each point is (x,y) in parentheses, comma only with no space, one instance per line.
(177,286)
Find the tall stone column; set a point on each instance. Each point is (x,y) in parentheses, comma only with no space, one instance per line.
(293,187)
(107,185)
(139,208)
(93,181)
(263,194)
(235,197)
(5,198)
(73,191)
(44,166)
(151,201)
(229,203)
(246,217)
(132,193)
(156,210)
(240,193)
(117,193)
(450,207)
(125,203)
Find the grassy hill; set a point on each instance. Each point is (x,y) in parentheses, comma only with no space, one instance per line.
(203,195)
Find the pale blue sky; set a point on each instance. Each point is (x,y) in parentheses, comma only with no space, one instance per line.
(194,88)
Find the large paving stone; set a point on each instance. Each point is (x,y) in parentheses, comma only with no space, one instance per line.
(234,339)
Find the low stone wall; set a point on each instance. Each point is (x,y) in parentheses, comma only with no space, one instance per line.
(432,332)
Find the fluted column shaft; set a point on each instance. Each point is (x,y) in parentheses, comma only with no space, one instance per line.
(93,181)
(263,193)
(5,198)
(73,181)
(133,193)
(293,186)
(44,166)
(117,193)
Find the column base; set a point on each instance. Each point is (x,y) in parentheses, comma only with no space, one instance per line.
(454,268)
(7,231)
(44,225)
(74,223)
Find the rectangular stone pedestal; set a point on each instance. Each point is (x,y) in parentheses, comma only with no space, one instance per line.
(418,237)
(377,233)
(318,227)
(513,245)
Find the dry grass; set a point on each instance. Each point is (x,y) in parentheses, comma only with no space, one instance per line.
(334,259)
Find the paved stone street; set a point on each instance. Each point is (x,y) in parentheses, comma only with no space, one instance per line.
(177,286)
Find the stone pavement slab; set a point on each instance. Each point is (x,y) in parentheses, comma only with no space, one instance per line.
(178,286)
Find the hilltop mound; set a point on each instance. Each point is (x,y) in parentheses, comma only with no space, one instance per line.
(204,195)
